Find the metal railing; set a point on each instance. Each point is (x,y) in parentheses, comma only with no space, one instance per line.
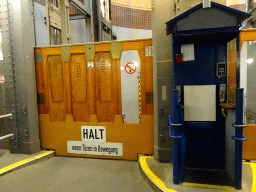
(9,135)
(4,116)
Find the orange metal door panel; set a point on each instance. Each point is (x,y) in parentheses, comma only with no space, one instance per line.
(56,88)
(249,146)
(92,99)
(106,87)
(80,101)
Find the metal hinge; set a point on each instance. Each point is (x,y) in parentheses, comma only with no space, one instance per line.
(148,51)
(149,97)
(38,58)
(40,98)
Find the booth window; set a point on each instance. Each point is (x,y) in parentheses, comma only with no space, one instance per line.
(248,80)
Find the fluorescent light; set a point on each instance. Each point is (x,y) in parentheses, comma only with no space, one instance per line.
(136,64)
(250,60)
(122,68)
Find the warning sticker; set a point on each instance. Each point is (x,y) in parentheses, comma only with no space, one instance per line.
(2,79)
(130,68)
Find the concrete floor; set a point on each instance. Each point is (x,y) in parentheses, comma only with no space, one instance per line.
(164,171)
(7,159)
(62,174)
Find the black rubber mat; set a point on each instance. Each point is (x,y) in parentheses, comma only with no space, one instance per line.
(211,177)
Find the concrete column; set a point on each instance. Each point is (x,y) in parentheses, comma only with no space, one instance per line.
(162,11)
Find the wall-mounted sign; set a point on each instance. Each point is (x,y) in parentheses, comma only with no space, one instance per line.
(94,143)
(130,68)
(95,148)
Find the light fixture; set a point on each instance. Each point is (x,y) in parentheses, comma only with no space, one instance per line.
(250,60)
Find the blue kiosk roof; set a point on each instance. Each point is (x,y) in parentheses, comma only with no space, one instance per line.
(198,20)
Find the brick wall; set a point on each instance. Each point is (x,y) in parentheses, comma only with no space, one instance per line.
(72,9)
(241,7)
(130,17)
(42,2)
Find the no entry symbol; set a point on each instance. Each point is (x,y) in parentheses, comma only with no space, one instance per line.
(130,68)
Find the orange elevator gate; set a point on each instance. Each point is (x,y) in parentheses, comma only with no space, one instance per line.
(79,94)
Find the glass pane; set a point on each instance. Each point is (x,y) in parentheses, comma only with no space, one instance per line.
(248,80)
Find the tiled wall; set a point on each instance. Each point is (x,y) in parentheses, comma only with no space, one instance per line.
(130,18)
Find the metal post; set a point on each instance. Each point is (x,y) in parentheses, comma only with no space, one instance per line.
(206,3)
(25,78)
(239,138)
(176,141)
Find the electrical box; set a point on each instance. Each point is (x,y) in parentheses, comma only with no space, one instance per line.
(221,69)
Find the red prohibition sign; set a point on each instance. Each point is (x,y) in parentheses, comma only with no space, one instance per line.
(130,68)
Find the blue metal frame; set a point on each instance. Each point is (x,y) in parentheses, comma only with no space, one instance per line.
(206,31)
(239,14)
(176,137)
(239,138)
(243,15)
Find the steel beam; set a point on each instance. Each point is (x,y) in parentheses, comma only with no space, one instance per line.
(81,7)
(9,72)
(25,78)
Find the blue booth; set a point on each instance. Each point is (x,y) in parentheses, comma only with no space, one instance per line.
(198,122)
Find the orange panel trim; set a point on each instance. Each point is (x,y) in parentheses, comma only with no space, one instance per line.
(55,70)
(131,45)
(78,77)
(249,146)
(103,47)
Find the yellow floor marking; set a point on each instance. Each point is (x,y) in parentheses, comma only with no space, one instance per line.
(15,165)
(253,166)
(151,175)
(208,186)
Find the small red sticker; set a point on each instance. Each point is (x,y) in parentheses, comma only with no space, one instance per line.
(2,79)
(130,68)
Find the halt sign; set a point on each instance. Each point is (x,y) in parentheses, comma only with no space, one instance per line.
(93,133)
